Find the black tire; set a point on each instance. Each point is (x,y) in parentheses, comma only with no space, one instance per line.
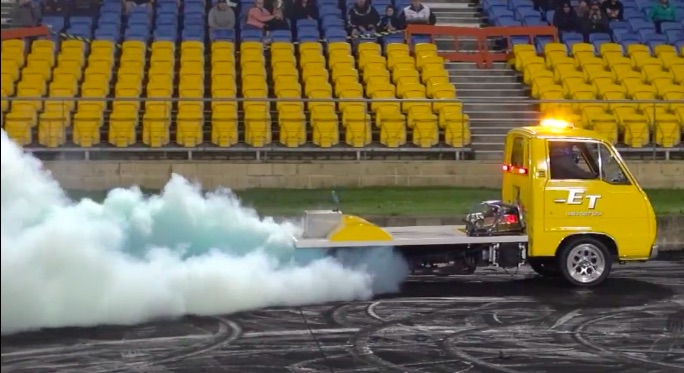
(545,267)
(584,262)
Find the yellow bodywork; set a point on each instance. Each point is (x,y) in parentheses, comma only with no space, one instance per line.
(620,215)
(354,228)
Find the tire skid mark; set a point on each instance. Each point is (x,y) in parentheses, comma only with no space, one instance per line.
(361,348)
(611,354)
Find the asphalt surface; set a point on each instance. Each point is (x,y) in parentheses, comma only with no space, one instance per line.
(488,322)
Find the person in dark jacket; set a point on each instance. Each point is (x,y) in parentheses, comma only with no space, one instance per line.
(595,21)
(362,18)
(304,9)
(565,19)
(285,7)
(389,22)
(563,163)
(417,14)
(613,10)
(55,8)
(25,14)
(582,9)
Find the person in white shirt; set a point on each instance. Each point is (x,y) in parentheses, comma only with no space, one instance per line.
(417,13)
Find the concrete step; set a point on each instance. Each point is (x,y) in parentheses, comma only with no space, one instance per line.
(490,93)
(472,84)
(463,79)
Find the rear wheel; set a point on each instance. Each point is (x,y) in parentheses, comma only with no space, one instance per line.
(545,267)
(585,262)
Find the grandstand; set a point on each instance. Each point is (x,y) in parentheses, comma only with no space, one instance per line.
(180,69)
(163,85)
(617,79)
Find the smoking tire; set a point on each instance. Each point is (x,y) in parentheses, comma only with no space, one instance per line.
(545,267)
(584,262)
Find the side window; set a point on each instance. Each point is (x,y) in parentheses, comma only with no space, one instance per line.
(518,153)
(574,160)
(611,170)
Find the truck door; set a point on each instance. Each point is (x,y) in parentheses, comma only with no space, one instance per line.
(588,190)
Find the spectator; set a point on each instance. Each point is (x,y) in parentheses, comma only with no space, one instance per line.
(132,4)
(304,9)
(362,18)
(389,22)
(662,12)
(221,17)
(25,14)
(279,22)
(55,8)
(565,19)
(582,9)
(259,16)
(595,21)
(614,10)
(284,5)
(417,13)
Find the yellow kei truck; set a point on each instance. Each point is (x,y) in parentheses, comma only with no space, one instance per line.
(570,208)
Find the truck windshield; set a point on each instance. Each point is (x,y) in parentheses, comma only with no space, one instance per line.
(584,160)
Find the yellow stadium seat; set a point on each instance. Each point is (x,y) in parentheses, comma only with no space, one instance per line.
(456,125)
(18,126)
(325,127)
(52,128)
(636,130)
(392,126)
(424,127)
(86,132)
(122,124)
(602,122)
(522,52)
(357,127)
(257,127)
(156,123)
(189,128)
(224,124)
(292,126)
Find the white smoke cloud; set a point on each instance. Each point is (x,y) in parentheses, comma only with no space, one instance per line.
(134,258)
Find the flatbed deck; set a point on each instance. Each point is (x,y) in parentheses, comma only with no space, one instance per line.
(437,235)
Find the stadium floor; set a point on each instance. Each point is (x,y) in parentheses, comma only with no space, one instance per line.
(488,322)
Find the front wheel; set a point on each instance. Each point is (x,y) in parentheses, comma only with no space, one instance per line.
(585,262)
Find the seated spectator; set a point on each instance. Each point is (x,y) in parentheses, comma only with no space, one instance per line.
(662,12)
(389,22)
(417,13)
(279,22)
(362,18)
(304,9)
(565,19)
(284,5)
(132,4)
(614,10)
(55,8)
(258,16)
(582,9)
(595,21)
(25,14)
(221,17)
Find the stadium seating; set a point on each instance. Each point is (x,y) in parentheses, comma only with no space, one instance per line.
(168,57)
(633,62)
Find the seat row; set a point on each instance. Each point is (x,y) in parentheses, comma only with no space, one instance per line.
(610,74)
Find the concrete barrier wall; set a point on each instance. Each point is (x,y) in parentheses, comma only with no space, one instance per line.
(102,175)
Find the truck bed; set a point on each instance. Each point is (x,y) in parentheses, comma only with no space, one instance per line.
(437,235)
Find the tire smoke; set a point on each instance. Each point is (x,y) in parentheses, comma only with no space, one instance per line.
(135,258)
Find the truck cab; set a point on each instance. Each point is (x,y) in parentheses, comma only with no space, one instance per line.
(582,206)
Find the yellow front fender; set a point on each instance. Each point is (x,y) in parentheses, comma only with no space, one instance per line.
(354,228)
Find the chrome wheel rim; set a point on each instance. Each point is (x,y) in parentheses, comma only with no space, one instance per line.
(586,263)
